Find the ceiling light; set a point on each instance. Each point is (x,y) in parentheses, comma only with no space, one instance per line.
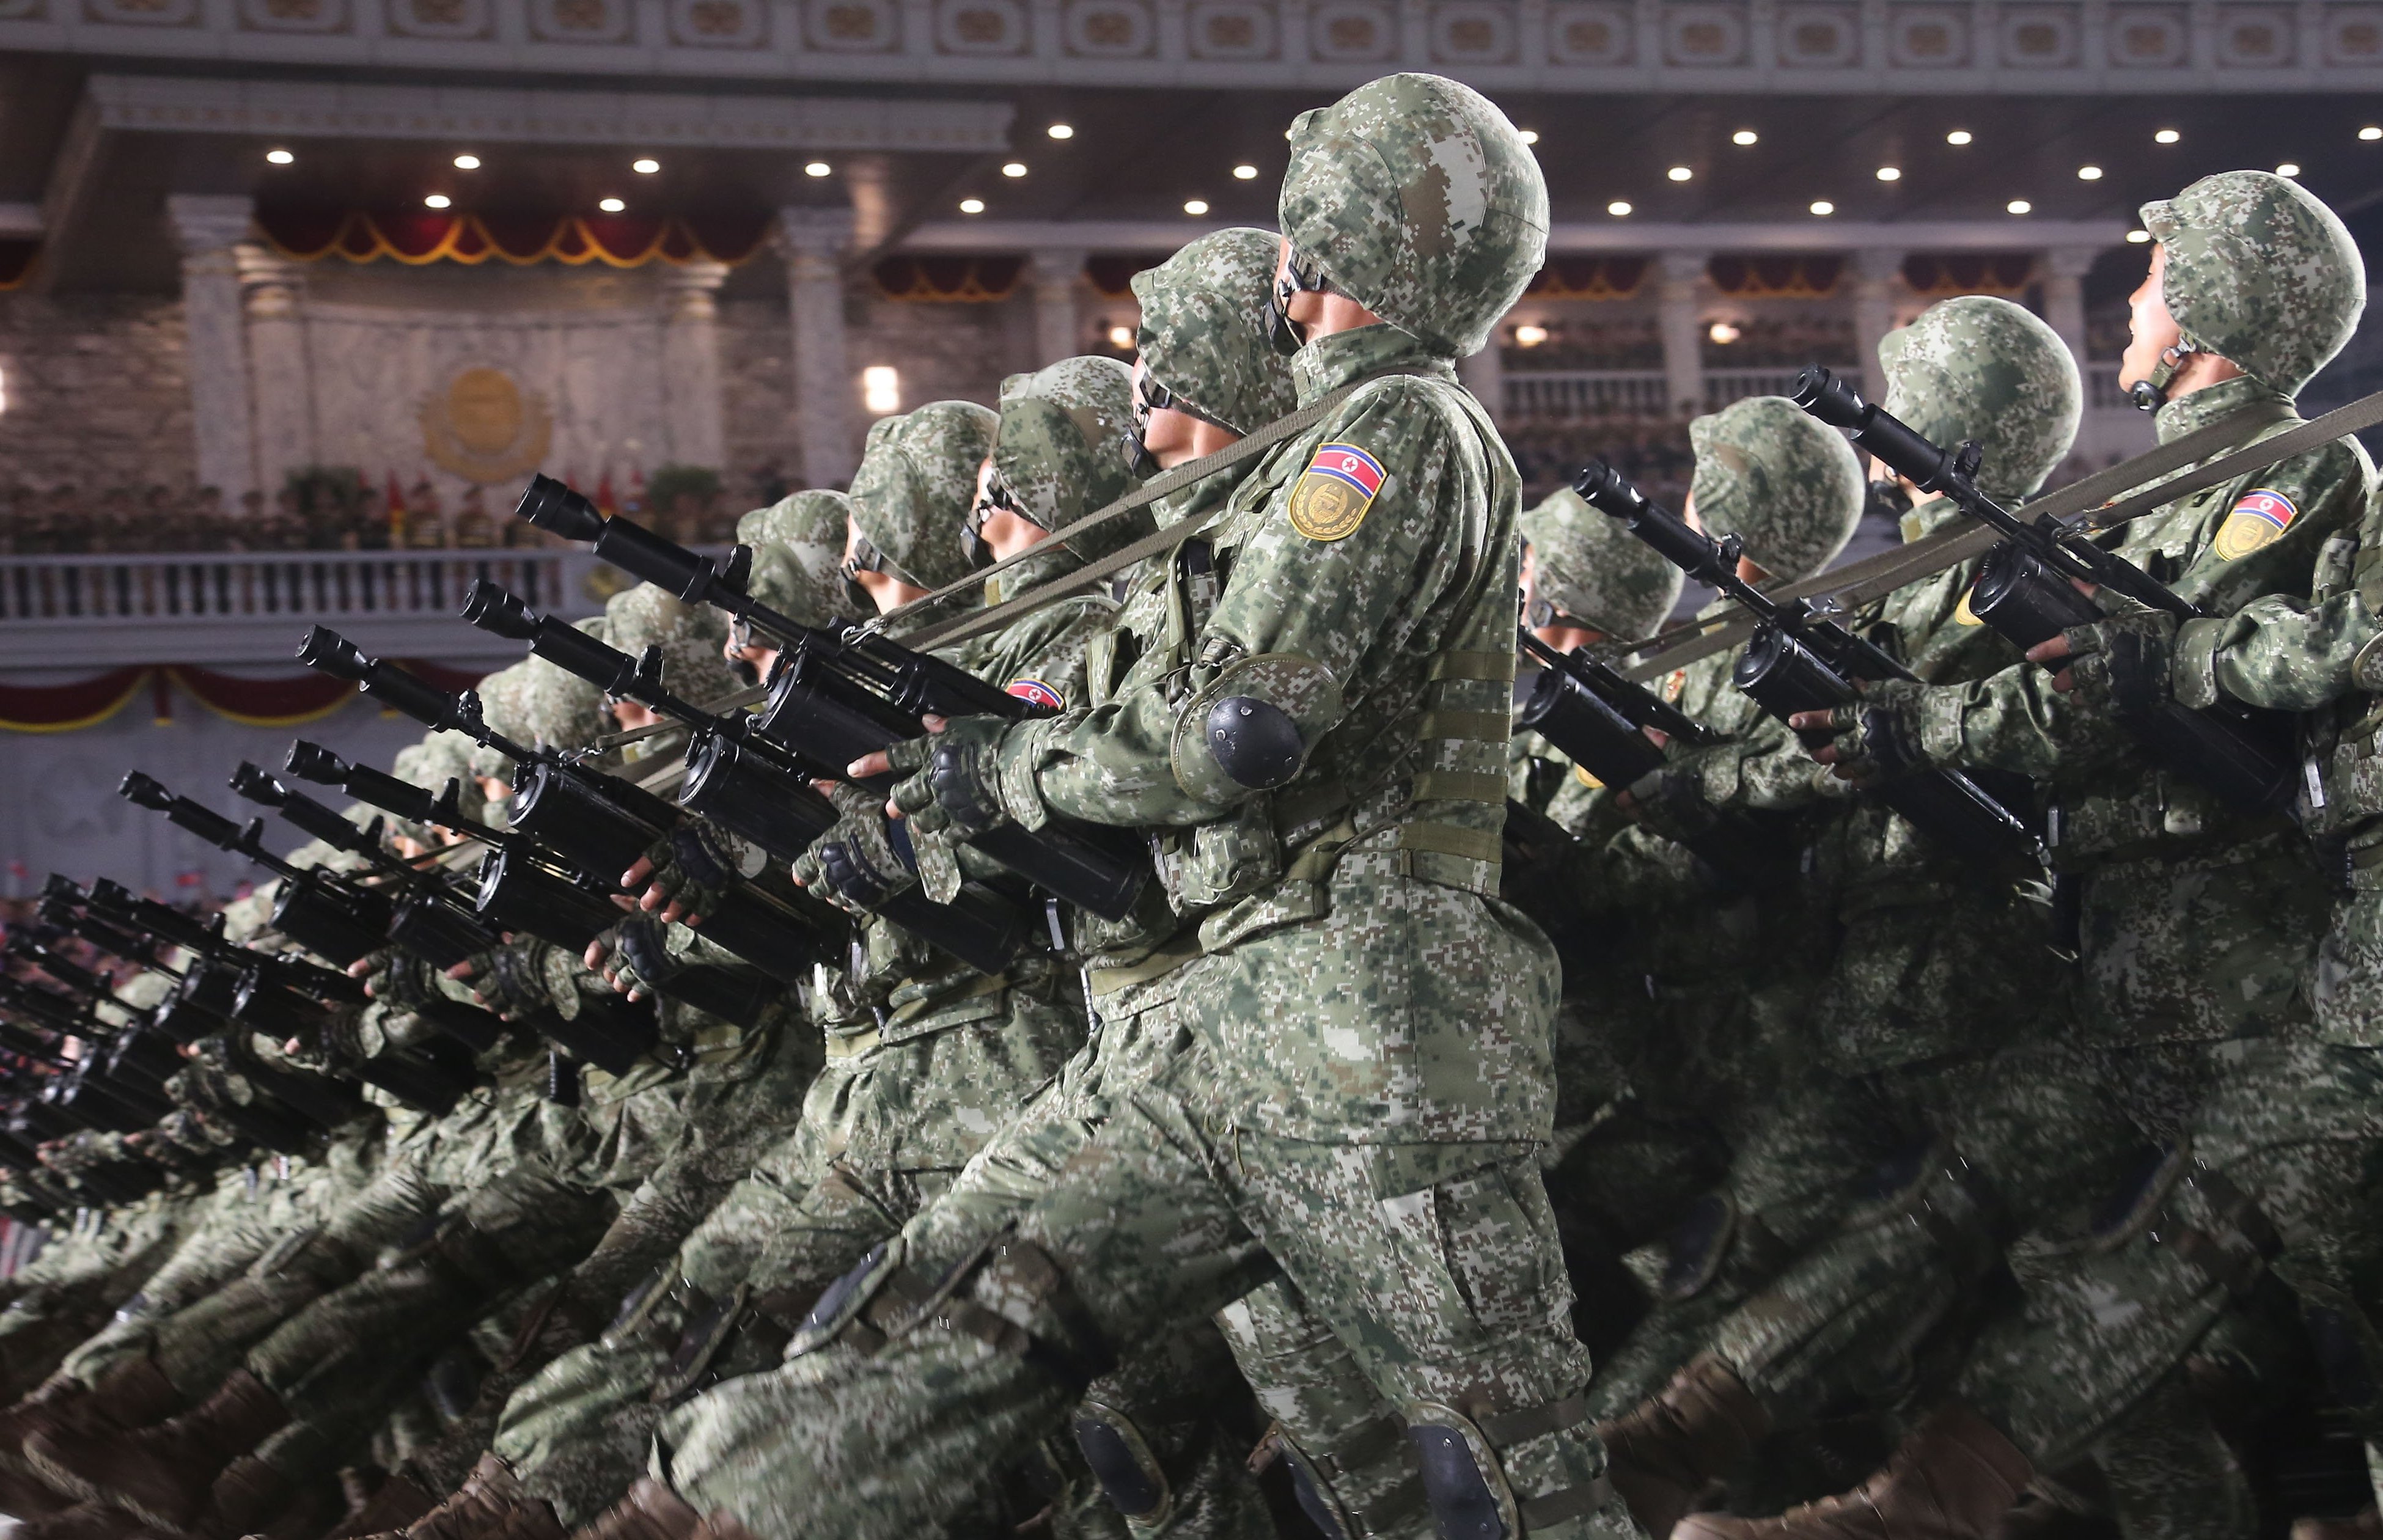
(645,167)
(1679,173)
(2290,168)
(881,388)
(2370,132)
(1014,168)
(817,168)
(1959,136)
(1121,338)
(971,206)
(1745,135)
(2165,135)
(1723,333)
(1823,207)
(278,157)
(1619,209)
(1529,335)
(467,163)
(1530,136)
(1890,173)
(611,206)
(436,200)
(2089,173)
(1060,130)
(2138,238)
(1195,205)
(1245,173)
(2020,206)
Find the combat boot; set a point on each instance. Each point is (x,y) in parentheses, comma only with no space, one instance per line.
(250,1497)
(1664,1454)
(478,1507)
(2364,1525)
(652,1511)
(128,1396)
(380,1509)
(1954,1478)
(167,1474)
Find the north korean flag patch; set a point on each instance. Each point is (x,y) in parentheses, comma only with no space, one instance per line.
(2258,520)
(1039,693)
(1332,496)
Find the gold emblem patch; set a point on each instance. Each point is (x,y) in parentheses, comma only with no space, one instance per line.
(1333,495)
(2258,520)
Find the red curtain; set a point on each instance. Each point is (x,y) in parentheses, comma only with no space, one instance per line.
(417,237)
(285,702)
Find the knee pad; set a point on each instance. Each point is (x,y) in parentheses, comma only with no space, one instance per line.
(1336,1486)
(2346,1349)
(2216,1226)
(1929,1185)
(1696,1245)
(1130,1476)
(1464,1480)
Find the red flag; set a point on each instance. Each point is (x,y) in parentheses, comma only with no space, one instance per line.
(396,496)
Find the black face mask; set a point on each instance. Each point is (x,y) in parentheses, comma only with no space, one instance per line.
(1300,276)
(1888,499)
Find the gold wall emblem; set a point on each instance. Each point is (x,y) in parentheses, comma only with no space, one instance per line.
(486,428)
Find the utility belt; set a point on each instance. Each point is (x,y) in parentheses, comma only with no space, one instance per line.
(2171,820)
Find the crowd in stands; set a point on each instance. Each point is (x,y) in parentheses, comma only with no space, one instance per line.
(1781,342)
(1651,451)
(1626,342)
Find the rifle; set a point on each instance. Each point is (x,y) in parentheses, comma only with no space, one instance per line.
(748,783)
(837,695)
(2026,590)
(1598,720)
(121,906)
(334,922)
(1802,658)
(599,823)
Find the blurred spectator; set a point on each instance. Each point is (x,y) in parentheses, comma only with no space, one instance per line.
(1623,343)
(475,530)
(1651,451)
(1780,342)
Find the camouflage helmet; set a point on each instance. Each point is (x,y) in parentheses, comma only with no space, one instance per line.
(1415,197)
(2260,273)
(439,757)
(916,484)
(1984,368)
(1061,447)
(1784,483)
(539,706)
(689,634)
(1203,329)
(798,556)
(1592,569)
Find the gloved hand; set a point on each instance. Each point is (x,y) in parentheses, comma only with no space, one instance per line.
(1875,737)
(688,871)
(509,979)
(854,864)
(2119,665)
(633,956)
(949,795)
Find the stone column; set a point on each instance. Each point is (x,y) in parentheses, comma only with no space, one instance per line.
(826,389)
(1875,274)
(2063,273)
(207,229)
(281,385)
(1683,332)
(692,408)
(1057,274)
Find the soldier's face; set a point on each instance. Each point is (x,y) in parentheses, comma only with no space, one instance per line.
(2152,330)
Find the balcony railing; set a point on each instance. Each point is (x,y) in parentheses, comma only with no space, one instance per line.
(1555,395)
(68,612)
(1724,386)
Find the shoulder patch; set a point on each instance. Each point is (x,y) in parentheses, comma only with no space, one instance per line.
(1332,496)
(1039,693)
(1580,773)
(2258,520)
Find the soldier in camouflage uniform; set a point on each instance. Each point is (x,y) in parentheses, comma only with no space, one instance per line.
(798,567)
(1369,1081)
(2198,921)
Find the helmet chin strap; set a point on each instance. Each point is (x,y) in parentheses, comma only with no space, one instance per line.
(2149,394)
(1301,275)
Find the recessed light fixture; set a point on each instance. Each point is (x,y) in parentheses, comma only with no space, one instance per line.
(2165,135)
(1529,335)
(1060,130)
(2370,133)
(1121,338)
(1195,205)
(2290,168)
(278,157)
(1530,136)
(2138,238)
(1823,207)
(1723,333)
(818,168)
(467,163)
(645,167)
(881,388)
(2089,173)
(1745,135)
(2020,206)
(1014,168)
(436,200)
(611,206)
(971,206)
(1619,209)
(1959,136)
(1890,173)
(1679,173)
(1245,173)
